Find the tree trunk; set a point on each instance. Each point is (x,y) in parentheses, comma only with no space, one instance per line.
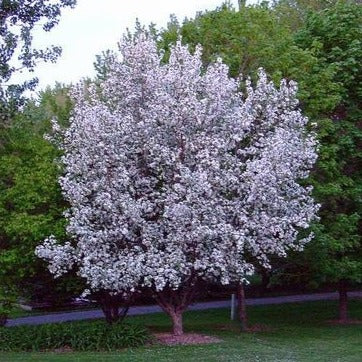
(343,300)
(3,319)
(242,307)
(265,280)
(115,313)
(108,313)
(111,306)
(175,302)
(177,326)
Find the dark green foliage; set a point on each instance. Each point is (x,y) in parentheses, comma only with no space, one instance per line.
(5,309)
(80,336)
(335,35)
(293,13)
(31,204)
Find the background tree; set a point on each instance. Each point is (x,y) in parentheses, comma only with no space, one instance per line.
(293,13)
(31,204)
(335,256)
(335,36)
(17,21)
(103,63)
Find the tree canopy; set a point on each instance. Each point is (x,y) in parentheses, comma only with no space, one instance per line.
(172,177)
(17,21)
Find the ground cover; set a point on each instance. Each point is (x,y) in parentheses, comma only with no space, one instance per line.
(288,332)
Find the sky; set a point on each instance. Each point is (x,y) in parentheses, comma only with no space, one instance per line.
(94,25)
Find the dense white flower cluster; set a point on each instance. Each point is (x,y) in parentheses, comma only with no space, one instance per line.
(171,173)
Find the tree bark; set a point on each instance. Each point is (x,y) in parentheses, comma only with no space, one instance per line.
(175,302)
(177,325)
(115,312)
(3,319)
(265,280)
(111,306)
(242,307)
(173,311)
(343,300)
(110,312)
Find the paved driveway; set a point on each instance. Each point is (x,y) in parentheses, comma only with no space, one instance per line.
(139,310)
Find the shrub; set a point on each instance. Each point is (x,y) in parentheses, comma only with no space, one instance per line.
(5,308)
(79,336)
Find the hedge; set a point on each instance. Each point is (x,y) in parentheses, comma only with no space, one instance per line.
(79,336)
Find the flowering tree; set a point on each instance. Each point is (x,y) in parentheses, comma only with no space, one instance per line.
(274,157)
(166,169)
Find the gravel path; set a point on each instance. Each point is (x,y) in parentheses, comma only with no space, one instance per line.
(139,310)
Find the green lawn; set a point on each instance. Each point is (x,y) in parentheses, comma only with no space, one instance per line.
(297,332)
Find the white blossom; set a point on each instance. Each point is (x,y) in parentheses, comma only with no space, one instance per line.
(171,172)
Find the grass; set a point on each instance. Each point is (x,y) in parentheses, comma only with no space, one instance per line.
(297,332)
